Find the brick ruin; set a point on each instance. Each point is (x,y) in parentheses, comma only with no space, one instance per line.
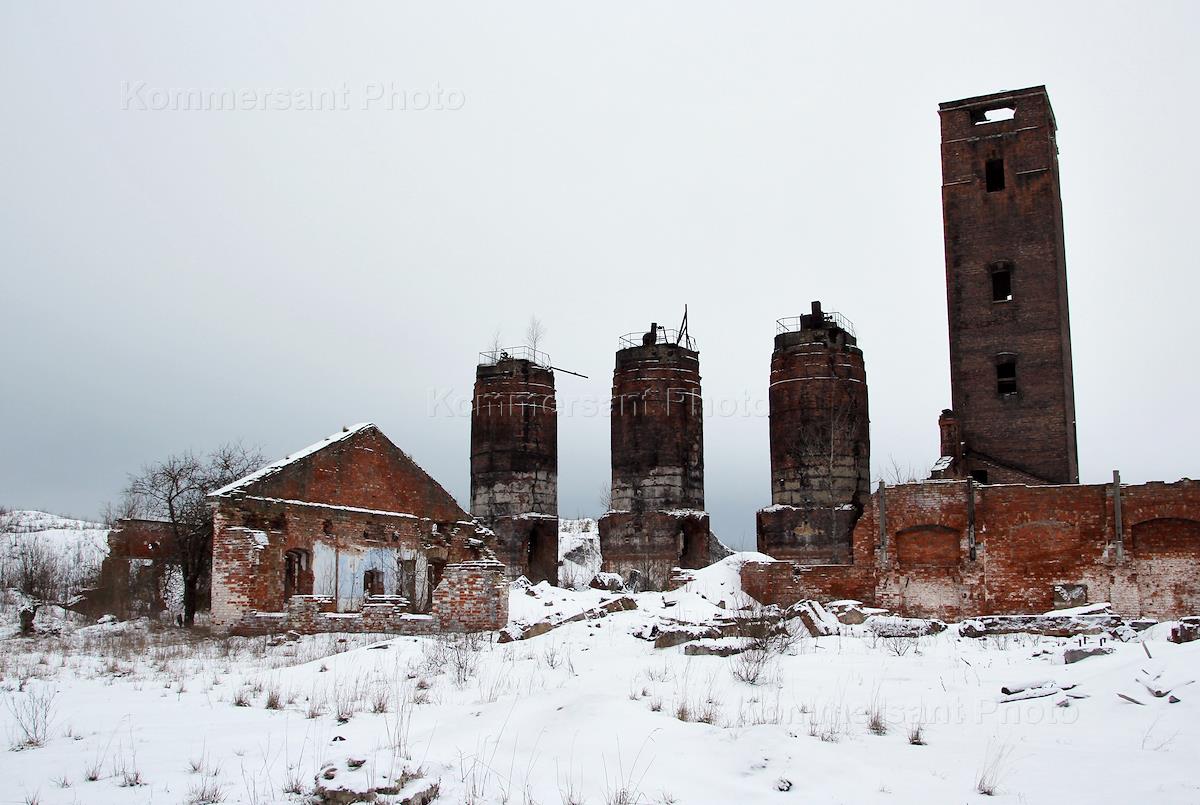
(820,440)
(350,535)
(1013,414)
(1003,525)
(514,459)
(956,549)
(139,572)
(656,519)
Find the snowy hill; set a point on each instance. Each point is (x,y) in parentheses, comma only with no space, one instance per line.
(63,551)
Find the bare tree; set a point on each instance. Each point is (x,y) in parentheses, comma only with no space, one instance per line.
(895,474)
(175,490)
(496,344)
(534,333)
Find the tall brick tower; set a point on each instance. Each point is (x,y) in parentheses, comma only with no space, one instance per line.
(820,440)
(514,459)
(656,520)
(1013,416)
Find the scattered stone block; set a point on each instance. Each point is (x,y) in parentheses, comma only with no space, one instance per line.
(1073,655)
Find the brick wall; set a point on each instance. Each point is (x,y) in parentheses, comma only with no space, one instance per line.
(471,597)
(365,471)
(253,538)
(654,543)
(1026,541)
(528,546)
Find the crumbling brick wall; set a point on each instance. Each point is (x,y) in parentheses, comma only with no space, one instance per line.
(471,597)
(652,544)
(255,540)
(142,562)
(952,549)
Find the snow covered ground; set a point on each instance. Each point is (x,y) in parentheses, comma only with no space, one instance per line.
(36,543)
(592,712)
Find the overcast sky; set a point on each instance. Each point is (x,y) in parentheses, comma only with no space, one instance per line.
(178,278)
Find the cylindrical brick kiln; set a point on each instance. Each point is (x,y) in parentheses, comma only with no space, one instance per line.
(514,459)
(656,520)
(820,440)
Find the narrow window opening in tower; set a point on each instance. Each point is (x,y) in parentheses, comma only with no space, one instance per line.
(1006,377)
(1001,284)
(994,174)
(981,116)
(979,476)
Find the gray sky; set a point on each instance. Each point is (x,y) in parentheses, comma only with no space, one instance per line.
(179,278)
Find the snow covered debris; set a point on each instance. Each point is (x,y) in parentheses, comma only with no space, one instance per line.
(578,553)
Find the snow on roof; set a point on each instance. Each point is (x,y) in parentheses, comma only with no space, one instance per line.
(286,461)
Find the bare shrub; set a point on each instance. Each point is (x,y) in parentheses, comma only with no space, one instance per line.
(899,646)
(380,699)
(876,723)
(205,792)
(916,734)
(987,781)
(751,665)
(462,653)
(31,714)
(766,635)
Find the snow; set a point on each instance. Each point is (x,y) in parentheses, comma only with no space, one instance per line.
(721,581)
(591,707)
(331,506)
(275,467)
(1100,608)
(578,552)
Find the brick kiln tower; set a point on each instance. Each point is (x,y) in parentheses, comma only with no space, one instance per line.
(1013,417)
(820,440)
(514,459)
(656,520)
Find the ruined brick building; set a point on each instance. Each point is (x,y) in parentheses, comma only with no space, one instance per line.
(1013,414)
(1003,525)
(140,573)
(820,440)
(514,459)
(656,519)
(350,534)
